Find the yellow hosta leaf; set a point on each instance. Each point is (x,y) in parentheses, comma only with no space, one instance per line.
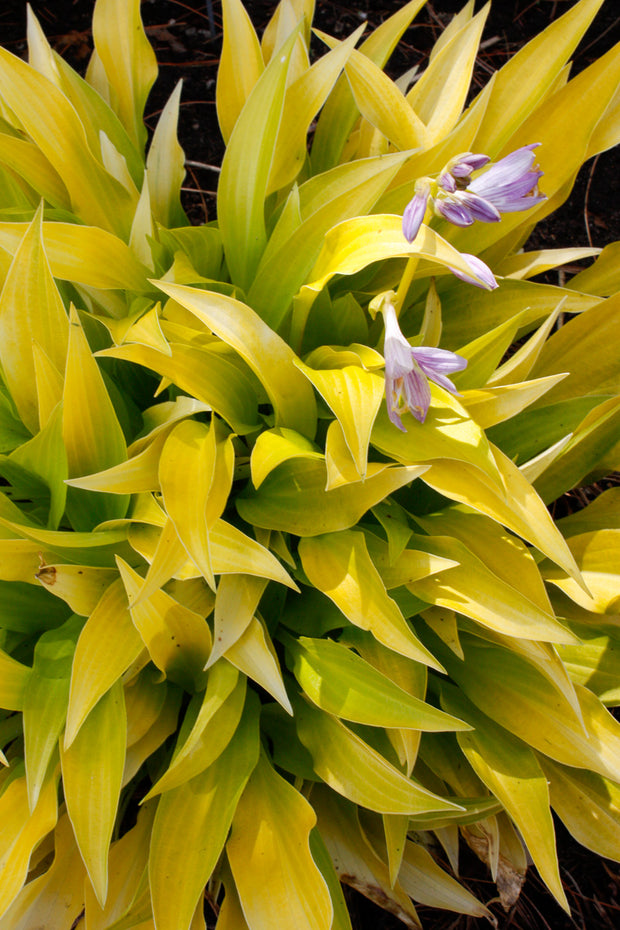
(588,805)
(254,655)
(357,771)
(341,468)
(91,432)
(128,864)
(128,60)
(242,186)
(169,558)
(304,98)
(164,726)
(345,685)
(206,374)
(338,564)
(214,727)
(178,640)
(516,505)
(439,95)
(355,861)
(108,645)
(596,554)
(49,381)
(275,446)
(510,770)
(22,831)
(354,396)
(83,254)
(165,165)
(491,405)
(31,164)
(526,77)
(81,586)
(267,354)
(31,309)
(56,898)
(236,601)
(92,771)
(518,697)
(356,243)
(293,498)
(53,124)
(276,877)
(381,102)
(137,475)
(14,678)
(241,65)
(192,823)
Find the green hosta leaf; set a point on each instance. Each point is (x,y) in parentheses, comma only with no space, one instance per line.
(594,662)
(293,498)
(108,645)
(345,685)
(92,770)
(128,60)
(27,609)
(352,768)
(46,700)
(31,309)
(22,831)
(510,770)
(45,458)
(588,805)
(467,312)
(266,353)
(192,823)
(338,564)
(277,880)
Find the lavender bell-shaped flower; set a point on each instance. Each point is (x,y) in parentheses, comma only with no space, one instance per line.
(511,184)
(408,370)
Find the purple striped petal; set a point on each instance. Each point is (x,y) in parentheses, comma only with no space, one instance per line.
(479,268)
(414,214)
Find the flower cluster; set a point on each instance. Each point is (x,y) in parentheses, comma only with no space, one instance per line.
(408,369)
(509,185)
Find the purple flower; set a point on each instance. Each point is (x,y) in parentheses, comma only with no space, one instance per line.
(415,210)
(408,369)
(511,184)
(479,268)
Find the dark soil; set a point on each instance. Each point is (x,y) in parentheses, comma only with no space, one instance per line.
(186,35)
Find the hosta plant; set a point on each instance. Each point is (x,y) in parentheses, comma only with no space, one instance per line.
(282,603)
